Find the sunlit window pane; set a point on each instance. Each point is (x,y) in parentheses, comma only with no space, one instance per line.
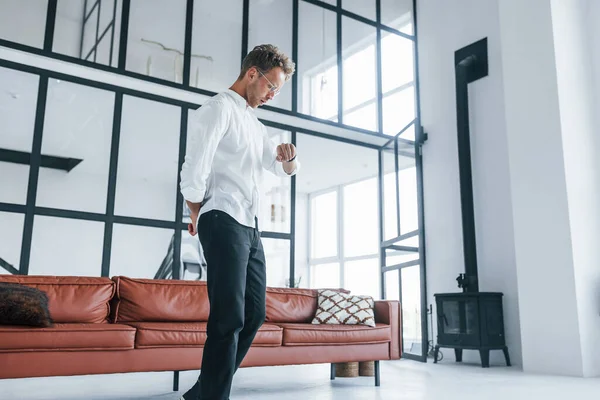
(324,225)
(323,276)
(360,218)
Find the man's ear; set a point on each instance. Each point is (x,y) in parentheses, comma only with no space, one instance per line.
(251,73)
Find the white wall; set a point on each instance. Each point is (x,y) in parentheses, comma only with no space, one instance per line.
(581,146)
(535,170)
(538,187)
(445,27)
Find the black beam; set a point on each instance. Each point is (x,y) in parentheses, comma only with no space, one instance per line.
(89,14)
(97,31)
(395,240)
(380,213)
(293,226)
(183,125)
(83,29)
(187,50)
(34,172)
(397,185)
(72,214)
(409,249)
(112,35)
(245,27)
(97,84)
(286,127)
(112,183)
(13,208)
(95,47)
(50,22)
(295,55)
(379,69)
(53,162)
(340,63)
(8,267)
(400,266)
(125,8)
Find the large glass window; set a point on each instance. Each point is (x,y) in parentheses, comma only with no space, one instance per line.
(78,126)
(270,22)
(361,277)
(24,21)
(359,74)
(63,246)
(364,8)
(325,276)
(139,251)
(398,14)
(148,159)
(275,206)
(215,62)
(400,194)
(17,113)
(324,225)
(361,233)
(91,34)
(156,38)
(397,76)
(343,223)
(317,62)
(411,309)
(11,236)
(277,255)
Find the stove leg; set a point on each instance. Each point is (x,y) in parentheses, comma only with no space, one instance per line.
(505,350)
(458,355)
(485,358)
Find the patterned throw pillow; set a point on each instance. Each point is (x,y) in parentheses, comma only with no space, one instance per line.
(335,307)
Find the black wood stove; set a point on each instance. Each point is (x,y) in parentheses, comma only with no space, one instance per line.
(472,319)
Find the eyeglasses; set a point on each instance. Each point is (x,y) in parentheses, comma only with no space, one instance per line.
(272,88)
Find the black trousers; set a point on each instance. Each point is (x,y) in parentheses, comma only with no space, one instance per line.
(236,280)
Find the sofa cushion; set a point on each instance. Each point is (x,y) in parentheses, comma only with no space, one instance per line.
(71,299)
(317,335)
(61,337)
(193,334)
(340,308)
(292,305)
(160,300)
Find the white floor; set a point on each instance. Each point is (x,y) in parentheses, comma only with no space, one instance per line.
(400,380)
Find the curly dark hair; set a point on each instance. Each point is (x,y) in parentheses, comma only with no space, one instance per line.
(265,57)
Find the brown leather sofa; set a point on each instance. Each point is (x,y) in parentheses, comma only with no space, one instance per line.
(121,324)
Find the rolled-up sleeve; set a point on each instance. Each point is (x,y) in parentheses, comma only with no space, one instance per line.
(206,129)
(269,158)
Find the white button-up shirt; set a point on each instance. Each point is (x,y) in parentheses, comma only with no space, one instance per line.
(227,150)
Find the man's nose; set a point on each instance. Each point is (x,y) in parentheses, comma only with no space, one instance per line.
(270,95)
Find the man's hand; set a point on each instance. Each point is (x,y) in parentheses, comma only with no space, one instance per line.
(194,211)
(285,152)
(192,225)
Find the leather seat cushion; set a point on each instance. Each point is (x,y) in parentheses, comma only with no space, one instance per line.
(318,335)
(193,334)
(67,337)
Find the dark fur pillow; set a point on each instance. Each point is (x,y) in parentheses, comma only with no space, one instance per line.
(23,305)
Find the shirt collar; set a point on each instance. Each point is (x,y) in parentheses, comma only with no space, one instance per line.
(239,100)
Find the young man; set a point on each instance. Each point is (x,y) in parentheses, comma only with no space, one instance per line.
(227,151)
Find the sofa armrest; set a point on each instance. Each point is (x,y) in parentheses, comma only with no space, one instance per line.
(388,312)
